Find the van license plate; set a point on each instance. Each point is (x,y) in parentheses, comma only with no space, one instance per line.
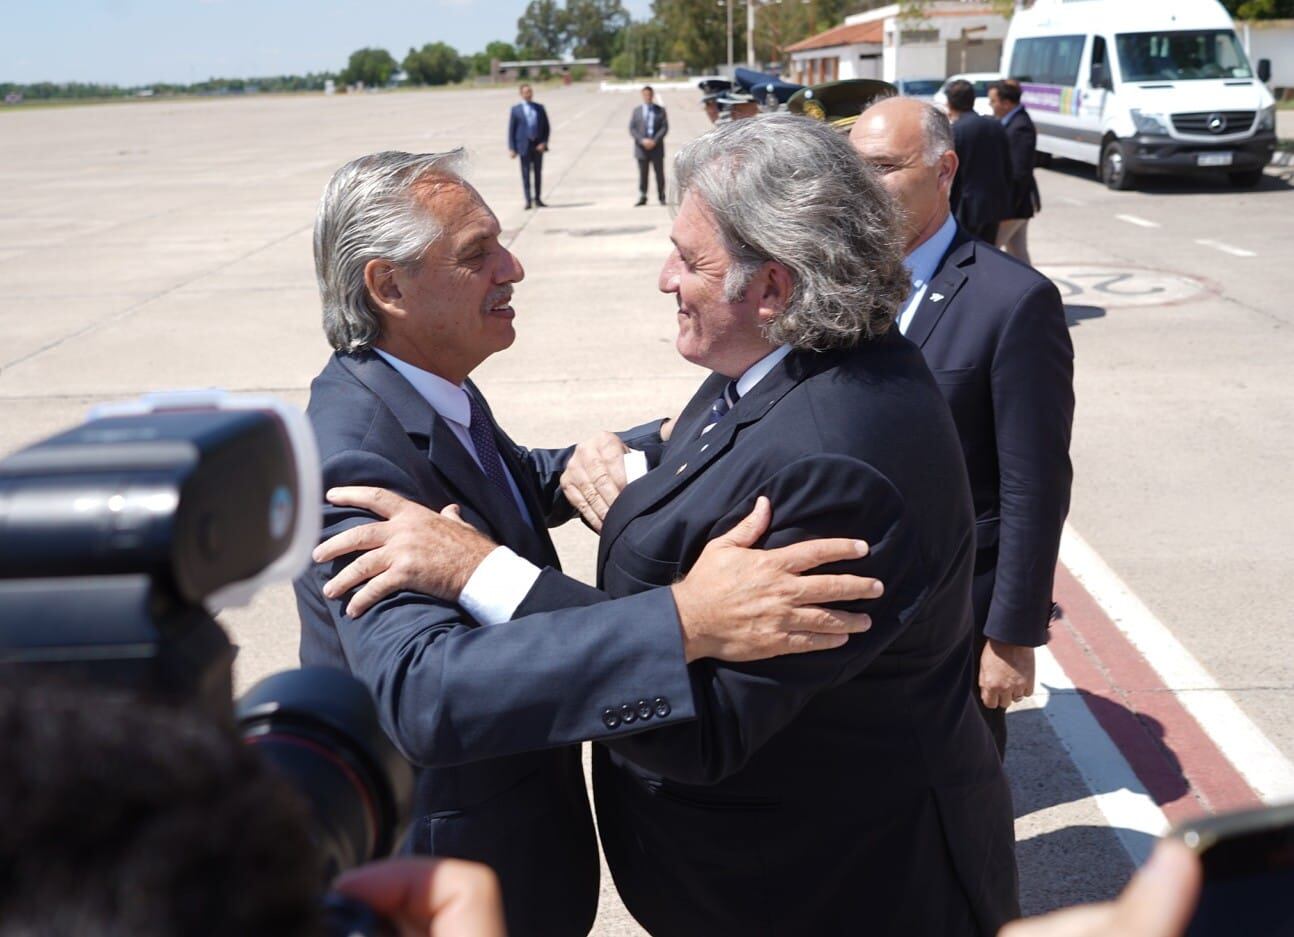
(1214,159)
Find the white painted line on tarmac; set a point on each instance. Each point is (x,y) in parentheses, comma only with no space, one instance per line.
(1225,248)
(1139,222)
(1070,200)
(1132,813)
(1261,763)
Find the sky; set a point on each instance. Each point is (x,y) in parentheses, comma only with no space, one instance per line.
(135,42)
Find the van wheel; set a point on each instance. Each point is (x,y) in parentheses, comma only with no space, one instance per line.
(1114,167)
(1247,179)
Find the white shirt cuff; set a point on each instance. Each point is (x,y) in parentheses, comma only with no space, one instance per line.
(635,465)
(498,586)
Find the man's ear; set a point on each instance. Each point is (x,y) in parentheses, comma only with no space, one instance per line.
(947,171)
(776,284)
(380,276)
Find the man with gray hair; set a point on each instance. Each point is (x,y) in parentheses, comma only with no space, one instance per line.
(993,331)
(490,688)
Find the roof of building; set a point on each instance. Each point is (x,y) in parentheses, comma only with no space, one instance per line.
(847,35)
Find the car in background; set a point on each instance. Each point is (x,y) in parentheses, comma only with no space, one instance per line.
(981,81)
(923,89)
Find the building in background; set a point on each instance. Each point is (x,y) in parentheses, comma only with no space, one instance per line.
(954,36)
(1274,40)
(533,69)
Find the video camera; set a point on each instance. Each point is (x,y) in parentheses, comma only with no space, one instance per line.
(121,538)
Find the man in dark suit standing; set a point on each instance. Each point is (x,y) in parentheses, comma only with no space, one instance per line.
(981,193)
(1022,138)
(528,140)
(489,690)
(648,127)
(993,332)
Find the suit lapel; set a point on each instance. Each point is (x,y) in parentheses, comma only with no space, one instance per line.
(694,453)
(943,287)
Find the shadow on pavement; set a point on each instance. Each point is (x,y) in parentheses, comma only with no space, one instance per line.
(1075,314)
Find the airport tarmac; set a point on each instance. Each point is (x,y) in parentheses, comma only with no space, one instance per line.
(157,245)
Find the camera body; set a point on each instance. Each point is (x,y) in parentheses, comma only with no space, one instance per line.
(120,538)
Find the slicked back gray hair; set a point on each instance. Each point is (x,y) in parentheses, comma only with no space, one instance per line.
(370,211)
(937,131)
(791,189)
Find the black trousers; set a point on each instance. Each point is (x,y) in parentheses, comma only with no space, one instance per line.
(534,160)
(654,158)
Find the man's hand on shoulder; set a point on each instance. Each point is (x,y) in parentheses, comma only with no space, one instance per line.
(1006,673)
(414,548)
(744,604)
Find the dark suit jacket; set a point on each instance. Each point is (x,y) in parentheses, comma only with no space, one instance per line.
(519,139)
(1000,351)
(845,791)
(981,192)
(1022,141)
(491,715)
(638,130)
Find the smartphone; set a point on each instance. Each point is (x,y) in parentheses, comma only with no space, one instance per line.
(1248,861)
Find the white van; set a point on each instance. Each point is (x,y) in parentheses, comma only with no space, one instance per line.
(1142,86)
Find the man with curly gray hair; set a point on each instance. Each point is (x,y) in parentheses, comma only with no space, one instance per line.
(855,789)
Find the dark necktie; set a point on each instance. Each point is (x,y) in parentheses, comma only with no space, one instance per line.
(722,404)
(482,433)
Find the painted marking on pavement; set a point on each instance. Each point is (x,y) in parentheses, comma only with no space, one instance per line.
(1119,794)
(1070,200)
(1223,723)
(1139,222)
(1112,287)
(1225,248)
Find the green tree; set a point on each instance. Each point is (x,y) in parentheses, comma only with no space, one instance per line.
(1260,9)
(640,47)
(699,31)
(778,25)
(542,30)
(593,27)
(503,51)
(371,66)
(434,64)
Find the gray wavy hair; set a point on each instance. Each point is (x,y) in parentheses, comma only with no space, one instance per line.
(791,189)
(370,210)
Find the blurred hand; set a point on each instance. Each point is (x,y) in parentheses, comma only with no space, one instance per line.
(430,897)
(413,549)
(595,476)
(512,154)
(1158,902)
(741,604)
(1005,673)
(541,147)
(649,143)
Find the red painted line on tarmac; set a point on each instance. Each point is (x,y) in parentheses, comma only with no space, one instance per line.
(1183,771)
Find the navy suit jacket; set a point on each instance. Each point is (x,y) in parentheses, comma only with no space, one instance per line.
(981,191)
(999,347)
(826,792)
(1022,141)
(519,139)
(490,715)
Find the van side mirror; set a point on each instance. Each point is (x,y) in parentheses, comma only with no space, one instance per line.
(1101,76)
(1264,70)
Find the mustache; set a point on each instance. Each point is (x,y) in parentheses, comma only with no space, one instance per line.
(497,296)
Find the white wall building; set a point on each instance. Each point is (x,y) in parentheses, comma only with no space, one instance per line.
(1270,39)
(954,36)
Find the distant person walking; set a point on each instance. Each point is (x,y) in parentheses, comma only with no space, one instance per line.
(648,127)
(528,139)
(1022,142)
(981,193)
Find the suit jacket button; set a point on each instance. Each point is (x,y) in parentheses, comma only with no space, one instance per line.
(644,709)
(662,706)
(627,713)
(610,718)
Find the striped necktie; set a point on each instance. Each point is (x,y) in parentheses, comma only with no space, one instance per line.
(722,404)
(487,451)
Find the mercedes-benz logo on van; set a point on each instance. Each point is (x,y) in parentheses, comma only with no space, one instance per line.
(1217,123)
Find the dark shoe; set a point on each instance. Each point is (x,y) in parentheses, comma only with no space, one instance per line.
(642,201)
(527,206)
(662,200)
(539,203)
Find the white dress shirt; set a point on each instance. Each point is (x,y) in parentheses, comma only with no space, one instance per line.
(502,580)
(649,122)
(922,264)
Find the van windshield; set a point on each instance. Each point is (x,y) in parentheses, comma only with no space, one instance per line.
(1188,55)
